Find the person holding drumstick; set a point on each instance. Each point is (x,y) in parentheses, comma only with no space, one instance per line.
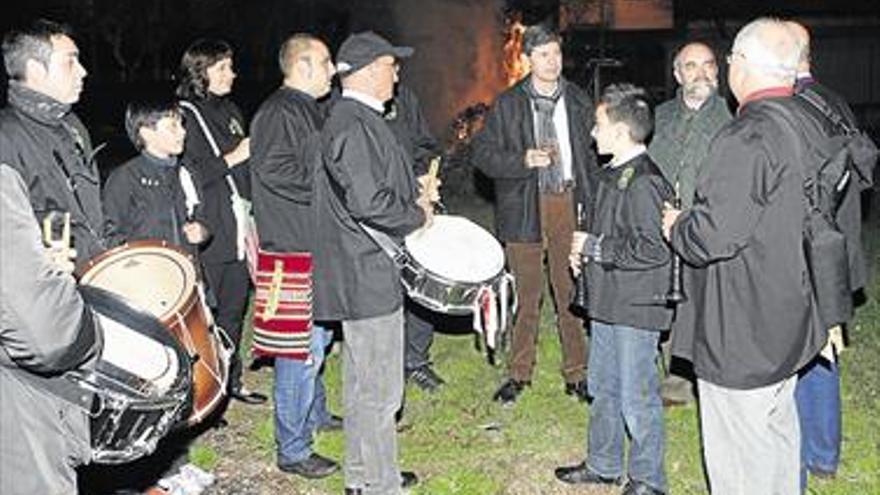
(365,183)
(46,168)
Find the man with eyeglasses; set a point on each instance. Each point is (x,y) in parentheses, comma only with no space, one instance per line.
(683,128)
(366,195)
(756,323)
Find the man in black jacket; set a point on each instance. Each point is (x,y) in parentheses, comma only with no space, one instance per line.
(366,184)
(45,328)
(284,137)
(536,147)
(757,322)
(818,389)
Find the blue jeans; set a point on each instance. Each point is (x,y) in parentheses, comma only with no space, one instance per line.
(624,382)
(300,401)
(818,404)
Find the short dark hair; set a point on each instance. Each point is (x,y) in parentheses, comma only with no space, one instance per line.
(146,113)
(33,42)
(628,103)
(537,35)
(193,72)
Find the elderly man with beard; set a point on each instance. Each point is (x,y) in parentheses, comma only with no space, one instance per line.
(683,128)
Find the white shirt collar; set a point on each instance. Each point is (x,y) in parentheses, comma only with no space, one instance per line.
(368,100)
(628,155)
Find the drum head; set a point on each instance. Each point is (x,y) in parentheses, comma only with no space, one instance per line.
(457,249)
(152,276)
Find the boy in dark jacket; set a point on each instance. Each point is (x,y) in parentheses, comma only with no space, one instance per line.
(626,262)
(151,196)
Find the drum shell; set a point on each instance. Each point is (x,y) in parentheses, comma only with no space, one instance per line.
(190,323)
(439,293)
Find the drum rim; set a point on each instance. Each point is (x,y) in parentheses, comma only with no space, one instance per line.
(141,243)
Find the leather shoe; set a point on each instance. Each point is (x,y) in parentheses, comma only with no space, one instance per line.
(509,391)
(634,487)
(312,467)
(333,423)
(577,389)
(248,397)
(581,474)
(425,377)
(407,479)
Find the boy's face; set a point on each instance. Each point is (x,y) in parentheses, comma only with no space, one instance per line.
(605,132)
(166,137)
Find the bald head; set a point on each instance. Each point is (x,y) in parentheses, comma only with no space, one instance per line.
(764,55)
(305,62)
(803,36)
(696,71)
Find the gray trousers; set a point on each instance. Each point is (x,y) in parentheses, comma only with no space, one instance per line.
(751,439)
(372,390)
(42,440)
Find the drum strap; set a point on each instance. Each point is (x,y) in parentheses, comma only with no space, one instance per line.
(391,248)
(60,386)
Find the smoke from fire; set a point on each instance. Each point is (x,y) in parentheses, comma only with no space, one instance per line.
(459,59)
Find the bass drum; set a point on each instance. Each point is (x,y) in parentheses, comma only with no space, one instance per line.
(161,279)
(141,383)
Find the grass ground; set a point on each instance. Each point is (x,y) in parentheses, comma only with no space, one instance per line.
(460,442)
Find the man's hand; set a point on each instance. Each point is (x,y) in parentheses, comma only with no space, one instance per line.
(575,258)
(536,158)
(241,153)
(61,257)
(670,215)
(195,232)
(429,186)
(428,208)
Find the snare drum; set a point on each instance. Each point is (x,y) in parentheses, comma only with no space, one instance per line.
(141,382)
(161,279)
(457,267)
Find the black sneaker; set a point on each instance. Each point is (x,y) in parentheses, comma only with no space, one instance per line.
(426,378)
(577,389)
(509,391)
(312,467)
(583,475)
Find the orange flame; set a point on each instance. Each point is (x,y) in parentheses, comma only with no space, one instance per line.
(515,66)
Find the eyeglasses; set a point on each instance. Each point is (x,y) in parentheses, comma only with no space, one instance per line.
(735,53)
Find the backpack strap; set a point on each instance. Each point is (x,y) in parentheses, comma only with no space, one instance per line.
(819,103)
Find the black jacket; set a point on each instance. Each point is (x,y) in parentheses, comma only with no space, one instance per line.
(226,123)
(499,152)
(629,284)
(55,159)
(366,176)
(756,322)
(284,147)
(143,199)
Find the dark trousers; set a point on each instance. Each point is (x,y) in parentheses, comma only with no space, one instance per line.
(230,284)
(526,260)
(418,335)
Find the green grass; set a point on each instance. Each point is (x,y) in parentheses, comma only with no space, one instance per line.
(460,442)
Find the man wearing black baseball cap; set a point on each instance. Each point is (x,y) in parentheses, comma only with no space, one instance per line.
(365,183)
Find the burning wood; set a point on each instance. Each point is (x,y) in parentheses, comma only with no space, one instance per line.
(515,65)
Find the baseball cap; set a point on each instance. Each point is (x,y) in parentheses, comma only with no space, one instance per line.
(361,49)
